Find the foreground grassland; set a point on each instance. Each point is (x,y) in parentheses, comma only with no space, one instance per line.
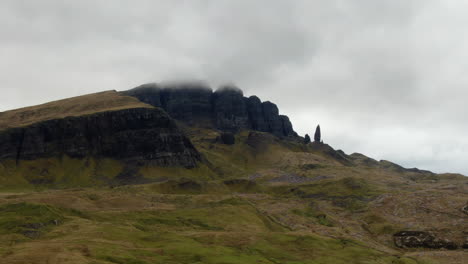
(172,223)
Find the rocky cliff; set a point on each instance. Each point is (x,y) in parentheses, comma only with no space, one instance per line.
(133,135)
(226,108)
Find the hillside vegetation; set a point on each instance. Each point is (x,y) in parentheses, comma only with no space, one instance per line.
(74,106)
(260,200)
(248,196)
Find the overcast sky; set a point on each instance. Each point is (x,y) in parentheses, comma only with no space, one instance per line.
(385,78)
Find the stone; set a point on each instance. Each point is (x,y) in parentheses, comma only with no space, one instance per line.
(421,239)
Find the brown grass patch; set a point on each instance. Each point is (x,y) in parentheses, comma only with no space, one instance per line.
(74,106)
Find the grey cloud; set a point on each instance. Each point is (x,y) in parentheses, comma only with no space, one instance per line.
(393,70)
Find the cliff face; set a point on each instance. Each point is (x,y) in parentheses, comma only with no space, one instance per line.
(226,109)
(136,134)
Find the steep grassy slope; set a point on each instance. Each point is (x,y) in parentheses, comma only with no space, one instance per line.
(61,173)
(75,106)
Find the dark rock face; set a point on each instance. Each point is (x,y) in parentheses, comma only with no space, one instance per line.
(230,109)
(255,111)
(188,103)
(139,134)
(272,118)
(149,93)
(226,109)
(227,138)
(421,239)
(287,126)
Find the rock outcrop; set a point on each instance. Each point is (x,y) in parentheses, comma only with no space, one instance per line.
(317,135)
(225,109)
(227,138)
(133,135)
(421,239)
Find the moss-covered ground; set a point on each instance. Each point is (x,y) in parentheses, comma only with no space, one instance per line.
(153,224)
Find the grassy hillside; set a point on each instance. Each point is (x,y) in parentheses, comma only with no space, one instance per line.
(138,224)
(74,106)
(261,200)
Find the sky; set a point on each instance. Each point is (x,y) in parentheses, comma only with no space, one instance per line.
(386,78)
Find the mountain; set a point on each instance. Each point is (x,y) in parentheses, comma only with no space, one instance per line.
(179,173)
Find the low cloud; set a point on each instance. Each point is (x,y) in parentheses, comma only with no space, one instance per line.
(385,78)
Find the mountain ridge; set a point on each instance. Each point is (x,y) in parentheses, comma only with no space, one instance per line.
(192,103)
(225,108)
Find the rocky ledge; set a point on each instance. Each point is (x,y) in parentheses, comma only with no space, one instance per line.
(226,108)
(133,135)
(422,239)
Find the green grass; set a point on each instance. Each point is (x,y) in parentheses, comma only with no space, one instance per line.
(377,225)
(318,216)
(61,172)
(349,193)
(32,220)
(200,228)
(233,248)
(202,216)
